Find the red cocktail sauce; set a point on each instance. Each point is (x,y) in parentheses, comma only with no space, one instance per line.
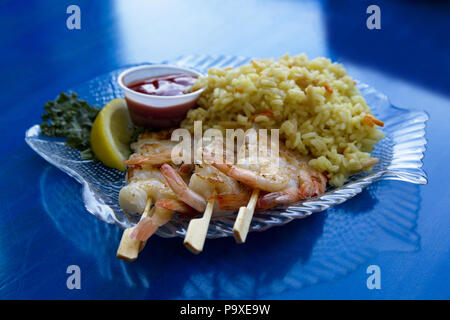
(167,85)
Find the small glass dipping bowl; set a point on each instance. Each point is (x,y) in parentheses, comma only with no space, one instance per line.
(154,111)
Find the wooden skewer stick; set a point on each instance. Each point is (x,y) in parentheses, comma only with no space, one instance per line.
(245,215)
(128,248)
(197,230)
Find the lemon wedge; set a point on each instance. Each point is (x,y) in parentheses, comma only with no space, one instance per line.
(111,134)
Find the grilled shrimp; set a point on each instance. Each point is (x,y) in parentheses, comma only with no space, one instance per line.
(293,180)
(305,182)
(146,181)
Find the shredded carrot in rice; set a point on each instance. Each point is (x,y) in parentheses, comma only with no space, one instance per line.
(266,113)
(370,120)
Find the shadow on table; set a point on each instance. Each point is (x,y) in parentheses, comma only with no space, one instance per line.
(412,43)
(322,247)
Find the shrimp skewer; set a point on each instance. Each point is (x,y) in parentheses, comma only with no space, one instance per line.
(145,185)
(209,187)
(205,183)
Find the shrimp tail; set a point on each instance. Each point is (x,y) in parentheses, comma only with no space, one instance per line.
(148,225)
(268,200)
(150,159)
(272,199)
(186,169)
(143,230)
(232,201)
(312,185)
(178,206)
(183,192)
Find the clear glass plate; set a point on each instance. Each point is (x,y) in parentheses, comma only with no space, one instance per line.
(400,154)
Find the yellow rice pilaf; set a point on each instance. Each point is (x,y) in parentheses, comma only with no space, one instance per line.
(315,104)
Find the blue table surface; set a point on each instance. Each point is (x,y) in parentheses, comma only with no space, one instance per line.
(44,227)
